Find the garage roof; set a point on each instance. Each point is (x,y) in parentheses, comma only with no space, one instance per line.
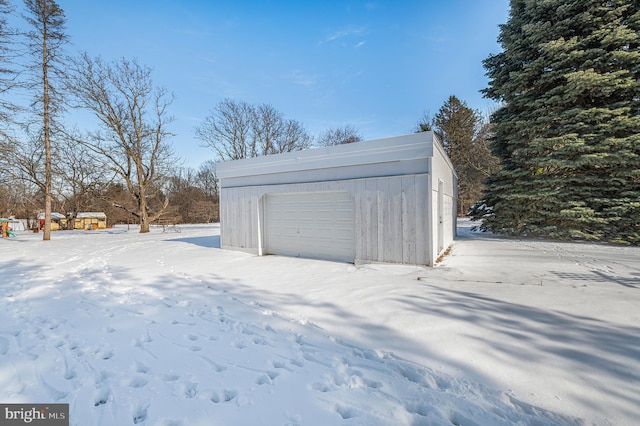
(384,157)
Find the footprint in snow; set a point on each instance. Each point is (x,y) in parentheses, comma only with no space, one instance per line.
(346,412)
(280,365)
(140,367)
(267,378)
(102,396)
(105,354)
(170,377)
(188,389)
(140,413)
(224,396)
(138,382)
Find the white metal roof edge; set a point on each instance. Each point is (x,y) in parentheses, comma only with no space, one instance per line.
(393,149)
(90,214)
(438,145)
(54,215)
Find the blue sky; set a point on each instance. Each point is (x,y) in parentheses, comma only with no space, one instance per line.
(374,65)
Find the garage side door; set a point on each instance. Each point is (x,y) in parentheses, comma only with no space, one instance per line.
(317,225)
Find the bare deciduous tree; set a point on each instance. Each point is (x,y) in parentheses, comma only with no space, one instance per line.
(133,139)
(236,130)
(425,124)
(80,179)
(207,179)
(339,136)
(8,73)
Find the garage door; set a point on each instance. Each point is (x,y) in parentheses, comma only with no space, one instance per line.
(317,225)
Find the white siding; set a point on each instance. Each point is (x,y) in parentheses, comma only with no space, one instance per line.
(390,216)
(443,172)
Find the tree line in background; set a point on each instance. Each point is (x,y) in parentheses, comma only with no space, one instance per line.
(124,165)
(236,129)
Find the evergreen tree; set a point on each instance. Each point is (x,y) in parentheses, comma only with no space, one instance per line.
(568,131)
(464,135)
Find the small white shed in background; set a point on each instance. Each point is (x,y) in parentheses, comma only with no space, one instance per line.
(386,200)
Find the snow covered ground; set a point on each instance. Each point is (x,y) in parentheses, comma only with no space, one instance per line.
(167,329)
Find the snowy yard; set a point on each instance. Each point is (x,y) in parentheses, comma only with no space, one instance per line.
(167,329)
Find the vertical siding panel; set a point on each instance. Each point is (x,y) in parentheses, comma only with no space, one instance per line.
(363,228)
(253,215)
(232,218)
(370,227)
(242,218)
(222,208)
(245,220)
(394,253)
(382,198)
(354,188)
(229,222)
(422,216)
(409,220)
(243,225)
(248,212)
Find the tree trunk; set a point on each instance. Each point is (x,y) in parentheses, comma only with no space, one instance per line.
(144,224)
(47,141)
(142,208)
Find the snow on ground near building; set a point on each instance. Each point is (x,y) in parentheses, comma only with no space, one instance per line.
(167,329)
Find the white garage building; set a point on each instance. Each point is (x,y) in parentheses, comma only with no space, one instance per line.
(387,200)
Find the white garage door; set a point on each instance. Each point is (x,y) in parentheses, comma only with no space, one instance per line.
(318,225)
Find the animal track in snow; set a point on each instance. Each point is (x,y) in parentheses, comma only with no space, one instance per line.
(188,389)
(419,377)
(239,344)
(259,341)
(229,395)
(170,377)
(346,412)
(138,382)
(140,367)
(280,365)
(140,413)
(224,396)
(267,378)
(105,354)
(102,396)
